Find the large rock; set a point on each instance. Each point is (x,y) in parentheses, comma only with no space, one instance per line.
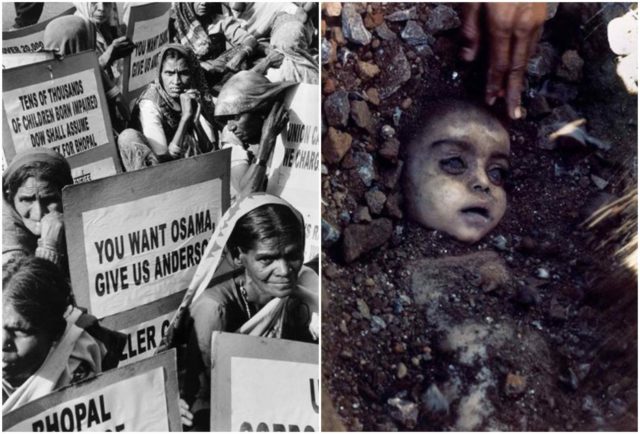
(335,145)
(336,109)
(359,239)
(353,26)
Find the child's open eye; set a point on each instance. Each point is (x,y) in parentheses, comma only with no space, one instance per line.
(453,165)
(498,175)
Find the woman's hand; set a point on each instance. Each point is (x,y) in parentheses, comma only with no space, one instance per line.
(275,122)
(52,231)
(186,417)
(188,103)
(119,48)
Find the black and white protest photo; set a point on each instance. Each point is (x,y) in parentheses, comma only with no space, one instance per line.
(161,216)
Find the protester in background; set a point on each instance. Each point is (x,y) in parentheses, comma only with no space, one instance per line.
(264,291)
(258,17)
(252,112)
(32,221)
(111,44)
(206,29)
(292,39)
(70,35)
(27,14)
(174,115)
(41,350)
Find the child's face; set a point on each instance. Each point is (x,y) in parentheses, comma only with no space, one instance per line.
(457,174)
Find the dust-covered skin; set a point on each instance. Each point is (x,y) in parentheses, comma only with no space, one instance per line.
(456,170)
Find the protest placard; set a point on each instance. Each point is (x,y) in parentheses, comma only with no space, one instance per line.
(143,336)
(27,39)
(148,28)
(140,397)
(60,105)
(263,384)
(294,170)
(138,237)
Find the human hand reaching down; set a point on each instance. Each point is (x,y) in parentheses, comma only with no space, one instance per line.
(511,31)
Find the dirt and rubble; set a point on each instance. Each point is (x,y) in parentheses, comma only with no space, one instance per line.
(532,328)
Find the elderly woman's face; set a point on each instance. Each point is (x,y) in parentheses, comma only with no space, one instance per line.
(272,266)
(458,173)
(34,199)
(176,76)
(99,13)
(24,345)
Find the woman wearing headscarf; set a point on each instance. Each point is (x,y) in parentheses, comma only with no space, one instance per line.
(252,111)
(43,347)
(261,287)
(71,34)
(174,114)
(206,28)
(32,221)
(110,44)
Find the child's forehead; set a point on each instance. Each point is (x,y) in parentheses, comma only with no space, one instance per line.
(466,131)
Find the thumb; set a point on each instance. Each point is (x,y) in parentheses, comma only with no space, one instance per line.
(470,31)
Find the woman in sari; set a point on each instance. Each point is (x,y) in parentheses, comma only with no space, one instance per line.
(261,287)
(253,114)
(43,346)
(206,28)
(173,116)
(32,223)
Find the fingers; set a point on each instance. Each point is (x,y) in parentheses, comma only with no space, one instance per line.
(471,31)
(499,63)
(185,415)
(516,74)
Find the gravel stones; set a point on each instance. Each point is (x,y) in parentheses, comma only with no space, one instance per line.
(361,115)
(336,109)
(514,385)
(361,238)
(403,15)
(414,35)
(396,71)
(367,70)
(434,404)
(403,411)
(332,9)
(385,33)
(353,26)
(543,61)
(570,68)
(375,200)
(335,145)
(442,18)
